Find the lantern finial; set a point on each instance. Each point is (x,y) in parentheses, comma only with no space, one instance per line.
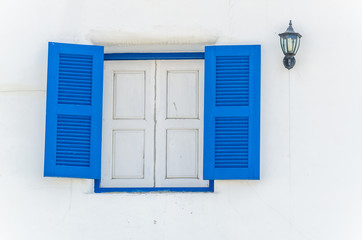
(290,29)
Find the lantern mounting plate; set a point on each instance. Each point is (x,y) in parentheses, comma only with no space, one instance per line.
(289,62)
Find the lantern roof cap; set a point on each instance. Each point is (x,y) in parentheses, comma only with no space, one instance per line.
(290,31)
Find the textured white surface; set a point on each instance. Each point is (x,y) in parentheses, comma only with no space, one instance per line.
(311,131)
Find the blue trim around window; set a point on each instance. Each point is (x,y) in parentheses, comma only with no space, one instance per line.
(99,189)
(153,56)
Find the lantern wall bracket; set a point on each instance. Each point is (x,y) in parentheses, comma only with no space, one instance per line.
(289,61)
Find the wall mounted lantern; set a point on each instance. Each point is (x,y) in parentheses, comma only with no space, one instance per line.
(289,41)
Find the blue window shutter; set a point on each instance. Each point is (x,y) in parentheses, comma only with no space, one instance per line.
(232,112)
(73,132)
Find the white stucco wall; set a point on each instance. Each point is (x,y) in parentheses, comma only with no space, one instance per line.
(311,122)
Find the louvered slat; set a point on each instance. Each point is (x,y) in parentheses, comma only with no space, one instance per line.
(231,142)
(73,140)
(232,81)
(75,79)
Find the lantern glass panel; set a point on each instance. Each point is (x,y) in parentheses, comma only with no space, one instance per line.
(297,45)
(292,44)
(283,44)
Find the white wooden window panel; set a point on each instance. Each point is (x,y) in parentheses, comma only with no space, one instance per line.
(128,124)
(130,120)
(179,123)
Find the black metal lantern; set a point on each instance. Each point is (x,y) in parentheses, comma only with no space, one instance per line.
(289,41)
